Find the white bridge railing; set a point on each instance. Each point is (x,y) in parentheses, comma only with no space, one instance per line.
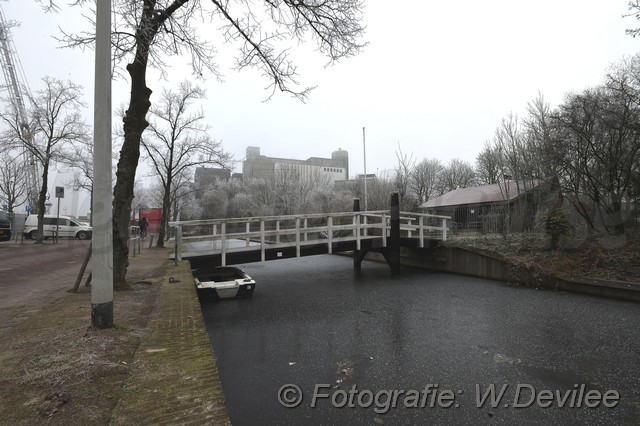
(258,233)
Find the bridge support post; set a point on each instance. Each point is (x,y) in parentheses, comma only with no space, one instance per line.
(391,244)
(392,253)
(358,255)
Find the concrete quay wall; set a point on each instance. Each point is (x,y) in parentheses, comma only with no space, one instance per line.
(476,263)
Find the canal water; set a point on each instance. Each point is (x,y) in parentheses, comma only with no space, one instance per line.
(419,348)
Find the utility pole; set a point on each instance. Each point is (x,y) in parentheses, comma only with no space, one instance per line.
(364,147)
(102,240)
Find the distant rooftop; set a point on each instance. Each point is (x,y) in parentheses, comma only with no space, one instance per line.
(208,174)
(479,194)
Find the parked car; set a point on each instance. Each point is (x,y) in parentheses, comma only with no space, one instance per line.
(66,227)
(5,227)
(223,282)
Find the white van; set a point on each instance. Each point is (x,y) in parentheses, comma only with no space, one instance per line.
(66,227)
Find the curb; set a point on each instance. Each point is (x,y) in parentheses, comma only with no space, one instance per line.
(174,377)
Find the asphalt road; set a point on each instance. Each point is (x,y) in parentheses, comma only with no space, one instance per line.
(314,321)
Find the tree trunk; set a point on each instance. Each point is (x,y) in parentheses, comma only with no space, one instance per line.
(618,219)
(134,124)
(42,198)
(166,200)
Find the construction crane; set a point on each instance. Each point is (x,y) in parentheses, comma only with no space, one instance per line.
(15,85)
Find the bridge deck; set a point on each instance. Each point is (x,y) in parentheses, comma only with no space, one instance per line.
(257,239)
(203,258)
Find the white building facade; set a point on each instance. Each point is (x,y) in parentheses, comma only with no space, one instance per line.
(333,169)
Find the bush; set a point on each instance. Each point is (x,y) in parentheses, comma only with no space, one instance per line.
(556,225)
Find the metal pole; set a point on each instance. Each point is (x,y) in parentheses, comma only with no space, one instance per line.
(364,148)
(102,240)
(57,221)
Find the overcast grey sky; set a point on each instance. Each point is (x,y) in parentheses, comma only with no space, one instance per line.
(437,77)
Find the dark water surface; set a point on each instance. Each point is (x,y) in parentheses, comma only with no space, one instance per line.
(314,322)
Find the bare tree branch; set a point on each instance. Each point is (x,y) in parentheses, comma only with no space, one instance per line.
(178,141)
(55,124)
(146,33)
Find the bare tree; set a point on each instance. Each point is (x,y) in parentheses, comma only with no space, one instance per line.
(602,140)
(404,168)
(332,200)
(313,187)
(541,153)
(178,141)
(55,124)
(379,192)
(181,194)
(80,159)
(13,180)
(262,195)
(291,190)
(489,165)
(424,179)
(634,12)
(148,31)
(213,202)
(285,184)
(624,79)
(147,196)
(457,174)
(510,145)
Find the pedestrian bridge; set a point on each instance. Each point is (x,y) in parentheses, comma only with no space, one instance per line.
(215,242)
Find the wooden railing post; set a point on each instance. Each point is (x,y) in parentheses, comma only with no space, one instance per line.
(213,239)
(366,228)
(262,254)
(330,234)
(444,229)
(357,217)
(223,244)
(384,229)
(297,237)
(421,231)
(306,225)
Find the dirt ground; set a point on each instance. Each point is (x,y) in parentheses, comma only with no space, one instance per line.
(55,368)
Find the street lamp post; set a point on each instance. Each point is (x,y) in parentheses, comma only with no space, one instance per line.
(101,214)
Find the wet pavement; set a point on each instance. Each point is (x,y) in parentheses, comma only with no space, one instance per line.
(443,340)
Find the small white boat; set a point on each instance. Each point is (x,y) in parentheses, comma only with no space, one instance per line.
(223,282)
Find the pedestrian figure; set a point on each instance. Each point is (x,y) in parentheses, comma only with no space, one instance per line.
(143,227)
